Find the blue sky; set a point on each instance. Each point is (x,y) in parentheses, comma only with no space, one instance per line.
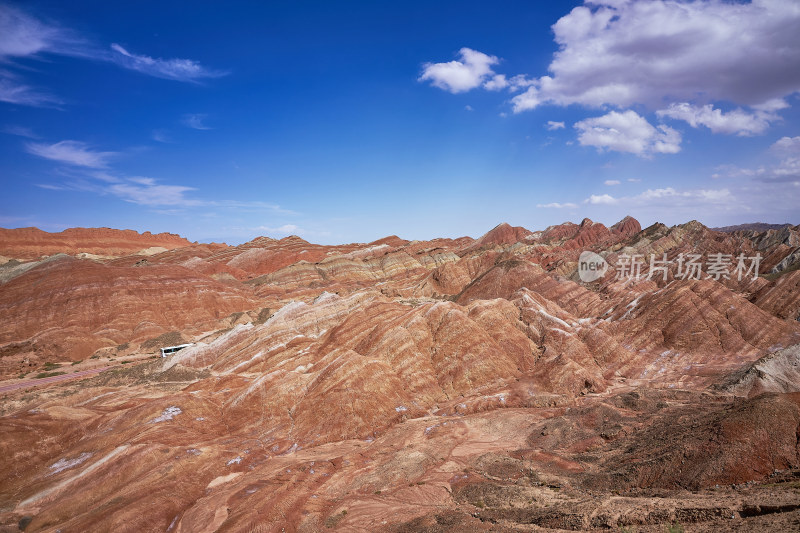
(344,122)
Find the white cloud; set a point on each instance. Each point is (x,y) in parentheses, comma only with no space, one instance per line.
(786,145)
(634,180)
(651,194)
(286,229)
(553,125)
(611,182)
(196,121)
(71,152)
(520,81)
(689,197)
(171,69)
(627,132)
(623,53)
(787,171)
(496,83)
(737,121)
(473,70)
(666,196)
(677,56)
(468,108)
(557,205)
(600,199)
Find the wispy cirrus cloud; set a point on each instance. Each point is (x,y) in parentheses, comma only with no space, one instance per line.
(186,70)
(143,191)
(666,196)
(152,193)
(26,37)
(20,131)
(160,136)
(557,205)
(72,153)
(22,35)
(147,191)
(661,200)
(196,121)
(13,90)
(785,171)
(88,170)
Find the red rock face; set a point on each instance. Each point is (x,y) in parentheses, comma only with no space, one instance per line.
(627,227)
(69,308)
(444,385)
(781,297)
(32,243)
(502,234)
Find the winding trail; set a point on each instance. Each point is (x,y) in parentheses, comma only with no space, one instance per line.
(51,379)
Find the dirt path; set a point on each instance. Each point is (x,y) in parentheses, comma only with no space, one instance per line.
(51,379)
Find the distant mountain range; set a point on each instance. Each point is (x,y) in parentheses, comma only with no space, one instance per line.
(754,226)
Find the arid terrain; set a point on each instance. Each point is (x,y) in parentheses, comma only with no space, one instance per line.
(447,385)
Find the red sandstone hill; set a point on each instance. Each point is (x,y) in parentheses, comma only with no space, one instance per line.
(502,234)
(69,308)
(32,243)
(443,385)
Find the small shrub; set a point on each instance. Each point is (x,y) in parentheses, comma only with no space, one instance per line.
(79,361)
(171,338)
(675,528)
(48,374)
(333,520)
(263,315)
